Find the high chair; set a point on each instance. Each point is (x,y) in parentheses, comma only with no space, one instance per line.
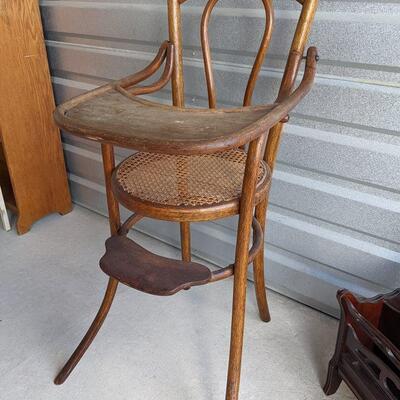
(191,165)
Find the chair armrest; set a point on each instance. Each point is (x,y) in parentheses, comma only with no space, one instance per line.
(124,85)
(115,114)
(127,85)
(282,107)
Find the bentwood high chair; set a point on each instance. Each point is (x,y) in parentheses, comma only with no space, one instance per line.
(190,165)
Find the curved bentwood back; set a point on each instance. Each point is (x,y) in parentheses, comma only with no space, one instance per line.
(262,51)
(293,62)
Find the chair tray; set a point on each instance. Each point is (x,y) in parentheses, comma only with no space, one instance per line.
(140,269)
(110,116)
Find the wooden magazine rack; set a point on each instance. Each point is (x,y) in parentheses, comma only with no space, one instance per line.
(367,355)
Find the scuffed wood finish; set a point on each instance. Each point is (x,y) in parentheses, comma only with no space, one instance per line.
(30,140)
(108,116)
(140,269)
(173,130)
(113,115)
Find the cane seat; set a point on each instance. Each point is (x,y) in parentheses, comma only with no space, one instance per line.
(150,181)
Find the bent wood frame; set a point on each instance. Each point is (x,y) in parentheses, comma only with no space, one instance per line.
(262,137)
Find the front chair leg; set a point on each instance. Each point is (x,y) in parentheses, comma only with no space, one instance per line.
(235,355)
(258,267)
(240,268)
(91,333)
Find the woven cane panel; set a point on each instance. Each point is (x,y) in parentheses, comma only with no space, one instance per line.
(178,180)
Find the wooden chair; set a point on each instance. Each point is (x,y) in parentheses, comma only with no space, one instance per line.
(190,166)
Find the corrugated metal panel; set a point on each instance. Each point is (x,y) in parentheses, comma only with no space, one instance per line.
(334,219)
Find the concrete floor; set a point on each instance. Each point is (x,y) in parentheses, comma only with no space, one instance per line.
(149,347)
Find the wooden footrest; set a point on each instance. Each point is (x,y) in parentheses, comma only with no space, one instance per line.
(138,268)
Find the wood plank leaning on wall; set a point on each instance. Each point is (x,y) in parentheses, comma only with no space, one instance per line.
(33,160)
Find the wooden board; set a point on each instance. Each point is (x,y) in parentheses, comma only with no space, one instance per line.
(31,141)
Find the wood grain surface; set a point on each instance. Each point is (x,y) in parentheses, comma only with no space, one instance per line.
(30,140)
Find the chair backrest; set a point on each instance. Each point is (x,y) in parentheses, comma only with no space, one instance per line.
(294,58)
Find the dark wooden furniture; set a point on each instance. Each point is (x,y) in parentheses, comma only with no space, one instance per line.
(32,169)
(190,166)
(367,355)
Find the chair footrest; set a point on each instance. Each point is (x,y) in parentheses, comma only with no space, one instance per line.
(138,268)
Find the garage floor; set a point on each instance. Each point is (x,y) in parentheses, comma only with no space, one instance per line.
(149,347)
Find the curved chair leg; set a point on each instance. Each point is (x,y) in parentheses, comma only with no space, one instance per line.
(91,333)
(185,241)
(258,268)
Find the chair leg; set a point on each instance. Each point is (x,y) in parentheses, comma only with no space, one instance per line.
(258,268)
(237,332)
(185,241)
(91,333)
(240,268)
